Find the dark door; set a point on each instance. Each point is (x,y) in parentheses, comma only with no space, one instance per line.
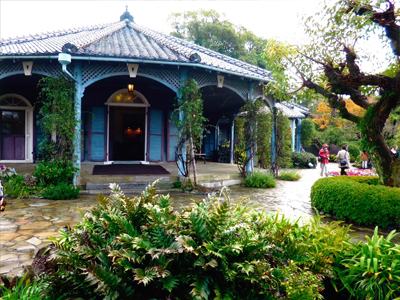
(13,134)
(127,133)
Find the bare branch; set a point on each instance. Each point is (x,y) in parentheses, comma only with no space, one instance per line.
(385,19)
(296,90)
(334,100)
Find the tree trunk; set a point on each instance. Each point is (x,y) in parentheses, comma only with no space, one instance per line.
(387,167)
(193,160)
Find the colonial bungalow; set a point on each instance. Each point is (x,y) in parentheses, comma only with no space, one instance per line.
(127,78)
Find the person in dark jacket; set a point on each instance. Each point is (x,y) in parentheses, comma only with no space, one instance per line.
(324,154)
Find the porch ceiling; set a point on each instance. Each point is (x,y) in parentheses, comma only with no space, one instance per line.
(219,102)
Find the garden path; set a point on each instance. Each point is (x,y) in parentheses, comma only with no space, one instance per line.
(27,223)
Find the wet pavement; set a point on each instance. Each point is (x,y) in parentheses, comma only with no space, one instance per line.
(27,223)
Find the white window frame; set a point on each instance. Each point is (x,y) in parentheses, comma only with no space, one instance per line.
(28,127)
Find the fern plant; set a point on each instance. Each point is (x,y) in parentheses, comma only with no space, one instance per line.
(140,248)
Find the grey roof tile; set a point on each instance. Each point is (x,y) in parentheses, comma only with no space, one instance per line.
(126,40)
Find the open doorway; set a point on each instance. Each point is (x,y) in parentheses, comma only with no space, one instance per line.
(127,133)
(127,130)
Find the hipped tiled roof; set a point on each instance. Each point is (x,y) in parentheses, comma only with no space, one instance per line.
(291,110)
(126,39)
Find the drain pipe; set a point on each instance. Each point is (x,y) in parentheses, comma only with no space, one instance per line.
(65,59)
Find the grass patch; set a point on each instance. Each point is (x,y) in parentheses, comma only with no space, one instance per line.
(289,176)
(260,180)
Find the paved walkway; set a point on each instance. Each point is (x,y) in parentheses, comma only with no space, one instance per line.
(27,223)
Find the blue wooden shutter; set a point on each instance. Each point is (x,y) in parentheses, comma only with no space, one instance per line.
(209,142)
(97,135)
(173,137)
(155,135)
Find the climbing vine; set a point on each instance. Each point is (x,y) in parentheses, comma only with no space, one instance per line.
(283,142)
(253,129)
(190,122)
(56,120)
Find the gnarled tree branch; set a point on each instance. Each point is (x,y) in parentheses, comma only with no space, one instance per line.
(385,19)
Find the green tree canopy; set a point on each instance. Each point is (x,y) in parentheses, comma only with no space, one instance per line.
(206,28)
(341,40)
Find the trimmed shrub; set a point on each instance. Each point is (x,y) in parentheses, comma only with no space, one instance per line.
(357,199)
(304,160)
(289,176)
(354,151)
(260,180)
(62,191)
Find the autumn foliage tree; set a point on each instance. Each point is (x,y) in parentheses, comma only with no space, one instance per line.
(331,65)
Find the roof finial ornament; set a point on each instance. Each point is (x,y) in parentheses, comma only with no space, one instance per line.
(126,16)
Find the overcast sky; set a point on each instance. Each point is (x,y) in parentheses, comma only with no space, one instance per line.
(266,18)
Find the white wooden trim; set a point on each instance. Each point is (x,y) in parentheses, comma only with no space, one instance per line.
(140,95)
(110,103)
(108,135)
(6,161)
(28,127)
(145,136)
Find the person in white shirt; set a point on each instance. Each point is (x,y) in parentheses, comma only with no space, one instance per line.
(343,159)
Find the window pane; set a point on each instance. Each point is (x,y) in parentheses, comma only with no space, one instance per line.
(13,122)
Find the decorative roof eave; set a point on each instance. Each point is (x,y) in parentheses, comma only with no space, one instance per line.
(134,60)
(286,111)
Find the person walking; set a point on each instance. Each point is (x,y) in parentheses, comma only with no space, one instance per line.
(364,158)
(395,152)
(324,154)
(343,159)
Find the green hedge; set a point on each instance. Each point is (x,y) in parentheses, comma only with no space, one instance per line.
(357,199)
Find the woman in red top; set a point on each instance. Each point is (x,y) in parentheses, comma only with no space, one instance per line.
(324,154)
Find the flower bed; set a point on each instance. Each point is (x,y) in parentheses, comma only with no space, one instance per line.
(356,172)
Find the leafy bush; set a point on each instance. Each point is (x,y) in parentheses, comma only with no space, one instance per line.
(354,151)
(141,249)
(54,172)
(260,180)
(62,191)
(16,187)
(358,199)
(304,160)
(289,175)
(307,132)
(177,184)
(333,158)
(373,271)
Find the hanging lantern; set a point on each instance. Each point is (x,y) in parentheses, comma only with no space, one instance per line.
(131,87)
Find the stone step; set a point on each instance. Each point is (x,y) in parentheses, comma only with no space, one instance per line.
(124,185)
(86,179)
(128,191)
